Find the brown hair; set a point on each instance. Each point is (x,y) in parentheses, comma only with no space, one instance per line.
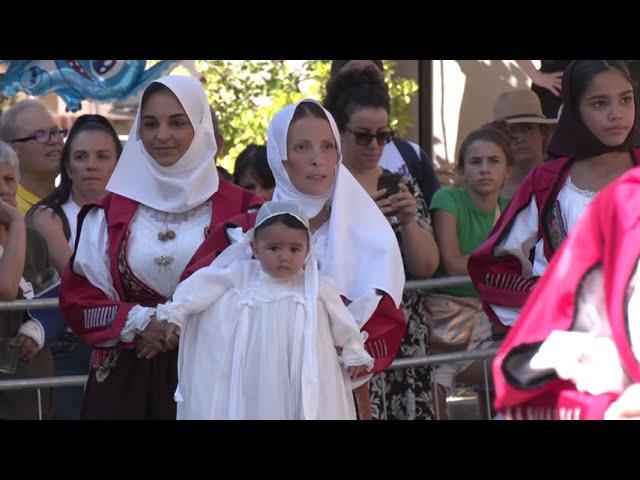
(489,133)
(352,90)
(308,109)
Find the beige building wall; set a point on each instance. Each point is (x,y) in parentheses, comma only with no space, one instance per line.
(463,95)
(463,92)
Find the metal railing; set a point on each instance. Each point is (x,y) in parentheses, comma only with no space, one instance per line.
(40,303)
(423,361)
(398,363)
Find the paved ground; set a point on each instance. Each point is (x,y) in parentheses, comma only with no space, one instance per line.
(463,408)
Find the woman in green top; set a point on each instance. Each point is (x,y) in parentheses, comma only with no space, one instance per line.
(462,219)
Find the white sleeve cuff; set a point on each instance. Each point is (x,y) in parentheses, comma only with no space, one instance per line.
(34,330)
(137,320)
(354,353)
(170,312)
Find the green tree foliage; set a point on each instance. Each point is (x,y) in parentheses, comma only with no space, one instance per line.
(247,93)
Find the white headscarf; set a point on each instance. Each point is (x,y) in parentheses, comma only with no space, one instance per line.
(190,181)
(362,250)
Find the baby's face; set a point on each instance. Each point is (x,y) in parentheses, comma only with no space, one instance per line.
(281,250)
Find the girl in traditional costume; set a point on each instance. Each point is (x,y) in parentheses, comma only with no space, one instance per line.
(135,245)
(594,143)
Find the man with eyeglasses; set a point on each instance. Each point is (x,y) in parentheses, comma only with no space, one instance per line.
(32,132)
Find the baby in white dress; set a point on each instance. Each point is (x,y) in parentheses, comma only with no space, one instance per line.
(265,337)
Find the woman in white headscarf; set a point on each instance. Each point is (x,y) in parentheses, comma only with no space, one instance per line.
(135,246)
(354,243)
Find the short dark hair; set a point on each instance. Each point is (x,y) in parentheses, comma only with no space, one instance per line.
(355,89)
(254,158)
(336,65)
(285,219)
(487,133)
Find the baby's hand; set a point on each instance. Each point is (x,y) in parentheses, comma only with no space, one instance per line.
(356,371)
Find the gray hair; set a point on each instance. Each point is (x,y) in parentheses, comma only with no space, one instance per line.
(8,121)
(9,157)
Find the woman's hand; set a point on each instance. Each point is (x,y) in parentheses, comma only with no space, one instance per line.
(9,214)
(28,347)
(171,336)
(402,204)
(147,349)
(552,81)
(152,341)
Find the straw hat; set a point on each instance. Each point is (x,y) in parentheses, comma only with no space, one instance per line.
(520,106)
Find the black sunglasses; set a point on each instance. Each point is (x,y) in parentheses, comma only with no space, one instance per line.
(42,136)
(364,138)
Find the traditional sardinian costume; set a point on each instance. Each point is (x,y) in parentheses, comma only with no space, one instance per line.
(132,250)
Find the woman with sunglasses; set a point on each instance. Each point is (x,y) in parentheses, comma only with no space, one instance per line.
(399,155)
(359,101)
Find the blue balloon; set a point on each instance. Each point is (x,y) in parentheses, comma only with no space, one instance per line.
(101,81)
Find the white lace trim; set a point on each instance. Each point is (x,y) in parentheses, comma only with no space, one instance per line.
(579,191)
(175,218)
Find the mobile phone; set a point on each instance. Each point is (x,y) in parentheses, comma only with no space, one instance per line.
(390,181)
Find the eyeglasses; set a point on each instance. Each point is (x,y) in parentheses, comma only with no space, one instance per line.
(42,136)
(364,138)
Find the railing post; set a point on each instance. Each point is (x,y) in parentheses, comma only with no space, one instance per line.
(39,405)
(486,390)
(436,398)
